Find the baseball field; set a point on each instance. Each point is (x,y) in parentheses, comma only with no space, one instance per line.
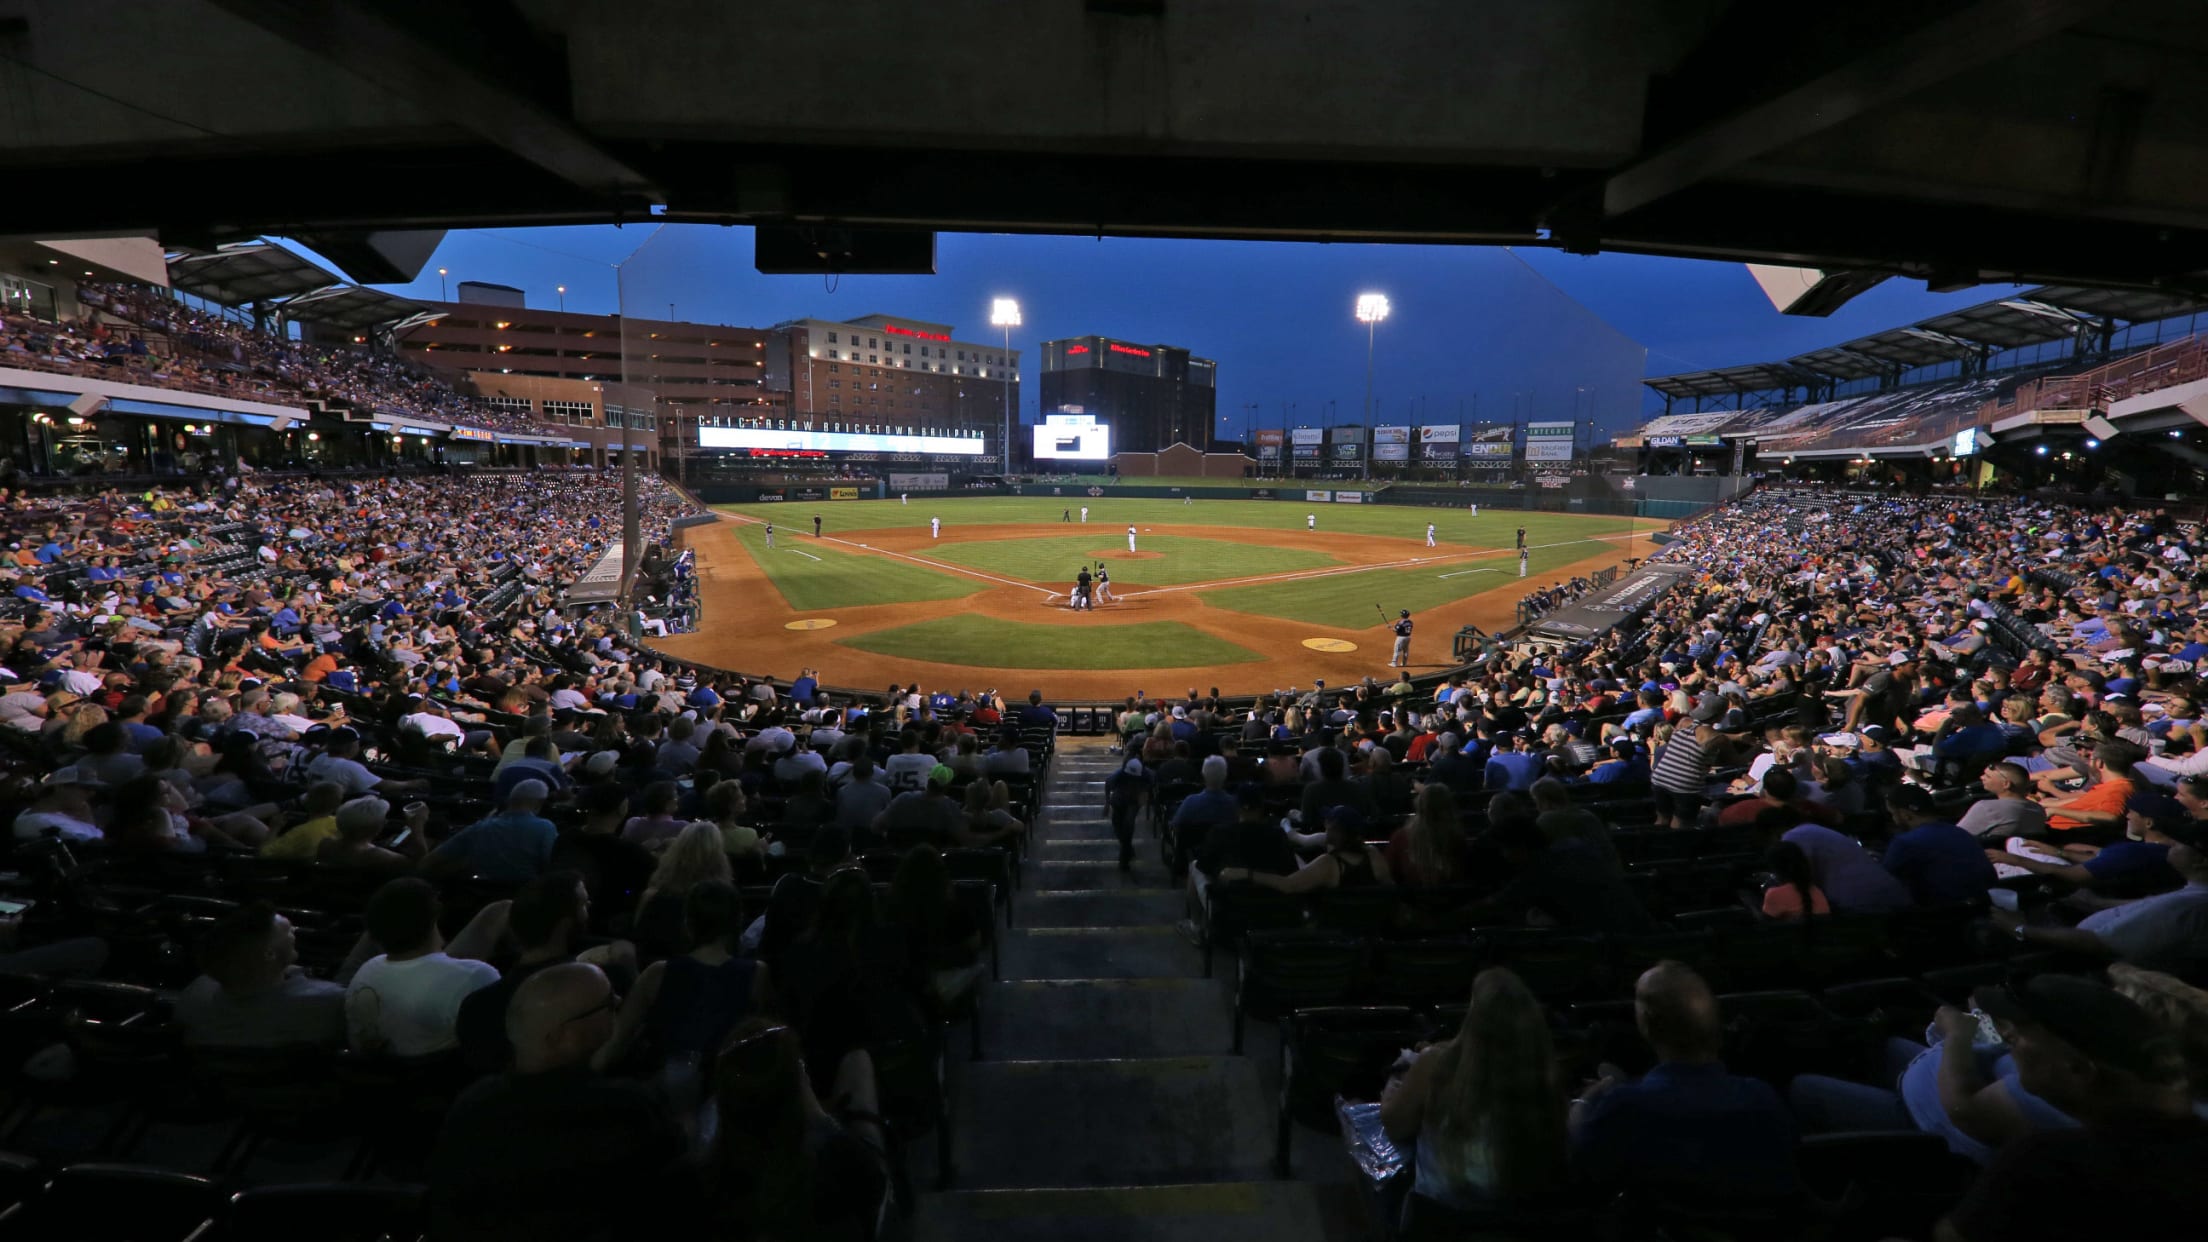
(1244,595)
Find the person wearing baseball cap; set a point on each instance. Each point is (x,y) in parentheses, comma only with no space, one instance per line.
(1349,861)
(2133,1163)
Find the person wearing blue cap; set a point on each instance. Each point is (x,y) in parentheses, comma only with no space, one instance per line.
(1349,861)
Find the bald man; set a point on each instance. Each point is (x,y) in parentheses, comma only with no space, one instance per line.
(1687,1131)
(550,1149)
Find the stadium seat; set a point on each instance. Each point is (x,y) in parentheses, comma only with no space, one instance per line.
(327,1212)
(120,1203)
(1336,1051)
(1883,1185)
(1282,970)
(1432,971)
(1555,966)
(1231,910)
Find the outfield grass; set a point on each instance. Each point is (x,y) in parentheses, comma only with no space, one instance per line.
(1174,559)
(1494,528)
(991,642)
(813,576)
(1347,600)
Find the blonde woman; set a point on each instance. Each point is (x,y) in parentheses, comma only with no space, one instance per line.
(1482,1108)
(695,856)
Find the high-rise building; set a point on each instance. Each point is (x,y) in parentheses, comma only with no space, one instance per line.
(882,370)
(1151,396)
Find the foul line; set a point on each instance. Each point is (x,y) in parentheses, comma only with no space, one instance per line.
(1304,575)
(960,570)
(807,555)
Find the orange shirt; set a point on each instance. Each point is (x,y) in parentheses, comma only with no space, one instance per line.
(319,668)
(1784,901)
(2108,796)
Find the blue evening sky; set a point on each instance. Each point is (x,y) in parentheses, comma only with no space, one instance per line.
(1475,334)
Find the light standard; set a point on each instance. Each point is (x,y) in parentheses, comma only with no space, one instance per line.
(1005,313)
(563,297)
(441,286)
(1371,309)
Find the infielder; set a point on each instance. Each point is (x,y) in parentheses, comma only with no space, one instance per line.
(1084,513)
(1130,539)
(1402,628)
(770,534)
(1429,534)
(935,528)
(1310,521)
(904,498)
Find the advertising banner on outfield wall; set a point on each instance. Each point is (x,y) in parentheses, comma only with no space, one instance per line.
(1307,435)
(1551,441)
(1391,444)
(1437,441)
(770,495)
(1346,435)
(1348,452)
(1307,452)
(807,493)
(843,493)
(1321,497)
(919,482)
(1349,498)
(1268,443)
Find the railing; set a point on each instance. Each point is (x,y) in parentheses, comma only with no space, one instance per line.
(2164,366)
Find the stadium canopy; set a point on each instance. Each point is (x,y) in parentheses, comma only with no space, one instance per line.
(1756,377)
(2036,316)
(356,308)
(244,273)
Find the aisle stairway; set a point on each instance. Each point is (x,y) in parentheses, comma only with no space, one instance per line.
(1107,1105)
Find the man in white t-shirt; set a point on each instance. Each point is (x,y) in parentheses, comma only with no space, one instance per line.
(339,763)
(64,805)
(908,769)
(406,1000)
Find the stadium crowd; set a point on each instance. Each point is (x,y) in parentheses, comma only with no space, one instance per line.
(130,334)
(1887,823)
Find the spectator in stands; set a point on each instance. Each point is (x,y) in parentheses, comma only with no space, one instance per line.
(1852,880)
(925,814)
(1940,863)
(1680,778)
(510,847)
(1511,766)
(340,762)
(1481,1111)
(1564,884)
(317,823)
(988,816)
(406,999)
(658,823)
(2097,813)
(360,821)
(1561,820)
(2010,812)
(2167,932)
(547,918)
(1348,861)
(862,797)
(1624,764)
(695,857)
(1782,792)
(785,1164)
(1431,849)
(942,943)
(1200,813)
(63,809)
(1687,1132)
(2137,866)
(251,992)
(1035,715)
(2104,1060)
(1253,844)
(549,1149)
(795,897)
(1331,788)
(1793,894)
(685,1005)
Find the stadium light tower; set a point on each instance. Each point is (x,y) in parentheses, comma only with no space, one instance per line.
(441,295)
(1005,313)
(1371,309)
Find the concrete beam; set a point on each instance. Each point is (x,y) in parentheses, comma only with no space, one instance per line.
(362,42)
(1979,34)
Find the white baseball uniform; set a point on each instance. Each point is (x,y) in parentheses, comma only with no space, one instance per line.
(935,528)
(1130,539)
